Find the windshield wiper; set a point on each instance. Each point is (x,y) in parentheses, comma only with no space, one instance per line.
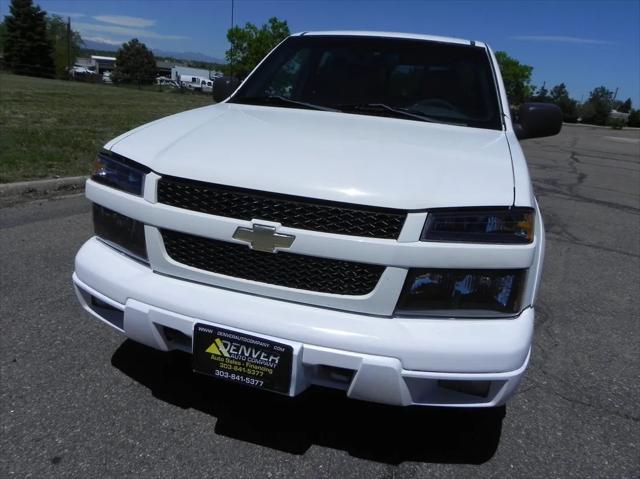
(281,100)
(381,107)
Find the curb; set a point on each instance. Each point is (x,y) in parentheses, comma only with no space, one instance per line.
(606,127)
(42,186)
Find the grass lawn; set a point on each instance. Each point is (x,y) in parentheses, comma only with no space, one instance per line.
(51,128)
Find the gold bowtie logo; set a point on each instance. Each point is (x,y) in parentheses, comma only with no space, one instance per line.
(264,238)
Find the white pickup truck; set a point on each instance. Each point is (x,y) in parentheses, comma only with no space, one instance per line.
(356,214)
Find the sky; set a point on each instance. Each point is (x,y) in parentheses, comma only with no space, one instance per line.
(584,44)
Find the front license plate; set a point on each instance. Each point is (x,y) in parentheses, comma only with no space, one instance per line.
(241,358)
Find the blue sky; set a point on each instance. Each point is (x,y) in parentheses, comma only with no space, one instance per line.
(585,43)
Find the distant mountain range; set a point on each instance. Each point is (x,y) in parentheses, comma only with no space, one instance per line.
(195,56)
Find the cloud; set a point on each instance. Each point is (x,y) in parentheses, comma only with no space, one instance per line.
(124,31)
(561,39)
(125,21)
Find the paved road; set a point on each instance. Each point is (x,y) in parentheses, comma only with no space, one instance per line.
(78,401)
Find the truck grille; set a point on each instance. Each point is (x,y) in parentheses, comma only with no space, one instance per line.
(282,269)
(291,211)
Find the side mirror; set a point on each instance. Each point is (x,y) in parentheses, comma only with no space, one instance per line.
(223,87)
(536,120)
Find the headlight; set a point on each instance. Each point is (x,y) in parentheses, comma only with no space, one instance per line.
(508,225)
(120,231)
(462,292)
(120,173)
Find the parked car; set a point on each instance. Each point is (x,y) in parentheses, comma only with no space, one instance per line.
(106,78)
(357,214)
(206,86)
(78,70)
(190,82)
(166,81)
(193,82)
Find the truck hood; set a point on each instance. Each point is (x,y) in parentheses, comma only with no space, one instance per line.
(367,160)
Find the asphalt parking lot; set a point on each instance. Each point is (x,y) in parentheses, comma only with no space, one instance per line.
(79,401)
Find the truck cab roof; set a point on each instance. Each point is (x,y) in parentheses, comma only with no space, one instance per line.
(409,36)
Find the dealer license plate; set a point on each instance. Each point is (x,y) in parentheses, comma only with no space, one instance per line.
(242,358)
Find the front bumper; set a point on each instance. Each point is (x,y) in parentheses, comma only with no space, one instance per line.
(390,360)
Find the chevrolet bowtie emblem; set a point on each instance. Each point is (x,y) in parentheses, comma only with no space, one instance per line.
(263,238)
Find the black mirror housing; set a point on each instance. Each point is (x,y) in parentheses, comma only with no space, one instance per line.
(223,87)
(537,120)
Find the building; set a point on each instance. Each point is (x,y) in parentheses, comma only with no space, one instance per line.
(180,71)
(96,63)
(102,64)
(84,62)
(163,68)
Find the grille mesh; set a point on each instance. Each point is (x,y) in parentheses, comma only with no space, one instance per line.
(291,211)
(282,269)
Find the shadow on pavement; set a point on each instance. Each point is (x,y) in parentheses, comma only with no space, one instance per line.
(318,416)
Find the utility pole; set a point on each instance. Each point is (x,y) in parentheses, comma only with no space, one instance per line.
(231,62)
(68,47)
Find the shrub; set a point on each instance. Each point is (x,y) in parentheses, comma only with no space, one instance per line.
(616,123)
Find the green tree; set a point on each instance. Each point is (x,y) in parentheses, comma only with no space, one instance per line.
(516,77)
(597,108)
(57,29)
(634,118)
(560,96)
(624,106)
(28,49)
(251,44)
(3,35)
(542,95)
(135,64)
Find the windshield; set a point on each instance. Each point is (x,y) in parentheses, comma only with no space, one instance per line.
(414,80)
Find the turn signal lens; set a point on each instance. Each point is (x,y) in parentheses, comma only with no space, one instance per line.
(121,232)
(508,225)
(462,292)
